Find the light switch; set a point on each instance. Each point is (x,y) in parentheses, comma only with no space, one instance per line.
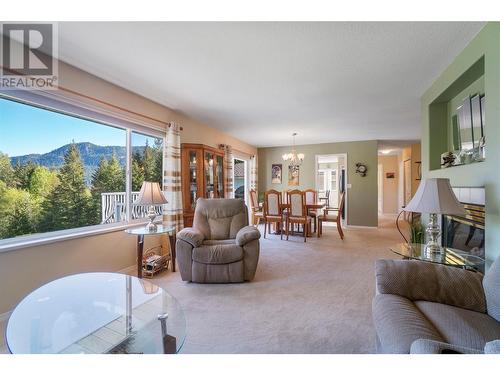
(349,186)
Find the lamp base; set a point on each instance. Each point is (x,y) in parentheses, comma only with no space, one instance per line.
(432,248)
(151,227)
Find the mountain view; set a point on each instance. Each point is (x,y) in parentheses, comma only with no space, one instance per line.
(90,155)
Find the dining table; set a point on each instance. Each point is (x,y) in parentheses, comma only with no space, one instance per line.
(309,206)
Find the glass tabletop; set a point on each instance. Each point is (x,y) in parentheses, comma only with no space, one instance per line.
(96,313)
(142,230)
(449,256)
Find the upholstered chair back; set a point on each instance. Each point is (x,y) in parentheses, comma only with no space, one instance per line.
(311,196)
(491,285)
(220,219)
(254,204)
(296,199)
(272,203)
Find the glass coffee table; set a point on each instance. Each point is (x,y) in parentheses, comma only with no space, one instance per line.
(449,256)
(97,313)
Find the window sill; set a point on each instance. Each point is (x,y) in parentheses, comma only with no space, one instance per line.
(63,235)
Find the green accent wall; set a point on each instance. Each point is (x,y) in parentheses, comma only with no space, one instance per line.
(435,136)
(361,197)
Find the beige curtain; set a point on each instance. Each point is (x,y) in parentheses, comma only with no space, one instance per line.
(228,170)
(172,177)
(253,174)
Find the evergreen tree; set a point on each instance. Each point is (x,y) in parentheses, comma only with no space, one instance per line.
(108,177)
(137,171)
(69,205)
(158,161)
(148,161)
(23,173)
(6,171)
(42,181)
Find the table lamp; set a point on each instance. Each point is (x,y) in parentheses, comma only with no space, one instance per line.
(435,196)
(151,195)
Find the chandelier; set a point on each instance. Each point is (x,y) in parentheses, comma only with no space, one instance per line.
(294,158)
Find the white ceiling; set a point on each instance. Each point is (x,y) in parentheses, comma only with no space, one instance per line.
(261,81)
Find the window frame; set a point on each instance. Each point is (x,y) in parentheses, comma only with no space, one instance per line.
(63,108)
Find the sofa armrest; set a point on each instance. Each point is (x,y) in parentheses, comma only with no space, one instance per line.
(192,236)
(247,234)
(417,280)
(425,346)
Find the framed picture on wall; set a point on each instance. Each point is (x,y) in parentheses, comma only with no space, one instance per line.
(276,172)
(389,175)
(293,175)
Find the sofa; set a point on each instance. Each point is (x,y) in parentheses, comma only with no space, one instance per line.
(422,307)
(220,247)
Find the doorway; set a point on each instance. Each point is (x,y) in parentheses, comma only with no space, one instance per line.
(240,179)
(331,179)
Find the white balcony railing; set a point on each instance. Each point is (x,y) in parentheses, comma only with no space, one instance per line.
(113,208)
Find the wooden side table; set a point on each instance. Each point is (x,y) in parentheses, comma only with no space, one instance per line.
(141,232)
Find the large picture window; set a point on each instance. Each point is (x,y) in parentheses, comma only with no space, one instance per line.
(59,171)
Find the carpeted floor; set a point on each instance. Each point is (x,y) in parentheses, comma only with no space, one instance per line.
(305,298)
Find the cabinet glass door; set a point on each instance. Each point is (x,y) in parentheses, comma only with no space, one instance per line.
(209,175)
(220,176)
(193,178)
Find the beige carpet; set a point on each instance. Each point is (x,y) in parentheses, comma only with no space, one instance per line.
(305,298)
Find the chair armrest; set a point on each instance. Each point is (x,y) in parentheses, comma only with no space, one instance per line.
(326,210)
(191,235)
(425,346)
(418,280)
(247,234)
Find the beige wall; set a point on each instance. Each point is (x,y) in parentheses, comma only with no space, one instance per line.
(361,197)
(21,271)
(390,185)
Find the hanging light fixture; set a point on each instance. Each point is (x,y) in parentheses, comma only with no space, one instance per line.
(292,157)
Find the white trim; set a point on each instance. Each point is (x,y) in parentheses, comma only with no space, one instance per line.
(360,226)
(64,235)
(346,182)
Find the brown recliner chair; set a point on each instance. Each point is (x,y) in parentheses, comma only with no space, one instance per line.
(220,247)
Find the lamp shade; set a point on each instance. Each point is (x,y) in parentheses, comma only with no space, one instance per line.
(435,196)
(150,194)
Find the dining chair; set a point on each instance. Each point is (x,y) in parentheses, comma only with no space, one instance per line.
(326,216)
(326,198)
(312,198)
(257,214)
(298,212)
(272,211)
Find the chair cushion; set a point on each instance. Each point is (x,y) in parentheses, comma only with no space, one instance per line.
(459,326)
(220,219)
(398,323)
(221,253)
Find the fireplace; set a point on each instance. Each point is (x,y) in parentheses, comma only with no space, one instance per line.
(467,233)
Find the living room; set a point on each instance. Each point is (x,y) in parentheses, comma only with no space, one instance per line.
(297,187)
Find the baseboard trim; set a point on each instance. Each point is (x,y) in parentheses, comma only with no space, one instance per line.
(360,226)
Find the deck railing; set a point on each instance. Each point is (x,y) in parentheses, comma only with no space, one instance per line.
(113,207)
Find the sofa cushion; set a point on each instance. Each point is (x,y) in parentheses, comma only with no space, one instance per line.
(218,253)
(459,326)
(398,323)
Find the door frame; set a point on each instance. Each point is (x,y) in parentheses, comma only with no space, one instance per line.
(346,182)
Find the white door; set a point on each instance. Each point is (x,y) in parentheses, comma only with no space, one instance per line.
(380,184)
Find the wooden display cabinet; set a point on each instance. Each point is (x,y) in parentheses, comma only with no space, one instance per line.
(202,169)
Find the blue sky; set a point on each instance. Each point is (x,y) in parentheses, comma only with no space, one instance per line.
(29,130)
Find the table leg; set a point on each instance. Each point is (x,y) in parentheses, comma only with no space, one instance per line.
(140,250)
(172,238)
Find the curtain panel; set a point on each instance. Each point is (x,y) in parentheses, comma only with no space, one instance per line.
(172,177)
(254,183)
(228,170)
